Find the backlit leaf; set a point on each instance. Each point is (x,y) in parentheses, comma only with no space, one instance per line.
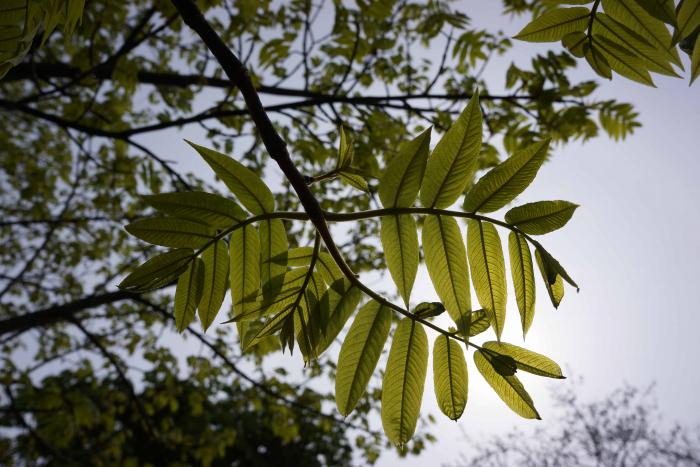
(359,354)
(664,10)
(622,60)
(634,16)
(553,25)
(695,61)
(342,297)
(488,270)
(198,206)
(244,267)
(399,238)
(452,164)
(541,217)
(507,180)
(171,232)
(527,360)
(688,19)
(450,376)
(554,284)
(404,381)
(403,175)
(188,293)
(250,190)
(446,261)
(523,276)
(216,262)
(273,243)
(508,388)
(157,271)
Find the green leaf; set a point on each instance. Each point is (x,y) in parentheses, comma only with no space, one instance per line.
(688,19)
(273,242)
(453,162)
(507,180)
(663,10)
(634,16)
(250,190)
(198,206)
(171,232)
(404,381)
(245,266)
(446,260)
(554,283)
(354,180)
(527,360)
(342,297)
(622,60)
(450,376)
(478,322)
(598,62)
(695,61)
(508,388)
(488,270)
(301,256)
(399,236)
(158,271)
(576,42)
(216,262)
(403,175)
(523,276)
(552,266)
(426,310)
(346,151)
(359,354)
(553,25)
(652,58)
(188,293)
(541,217)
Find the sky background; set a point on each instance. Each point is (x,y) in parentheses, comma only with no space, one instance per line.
(632,246)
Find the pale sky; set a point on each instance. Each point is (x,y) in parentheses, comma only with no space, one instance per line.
(632,246)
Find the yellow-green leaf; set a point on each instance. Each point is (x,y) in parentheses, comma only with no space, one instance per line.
(399,237)
(527,360)
(509,388)
(359,354)
(634,16)
(688,19)
(158,271)
(198,206)
(695,61)
(216,262)
(598,62)
(250,190)
(403,175)
(446,260)
(245,266)
(450,376)
(346,150)
(622,60)
(554,284)
(664,10)
(541,217)
(404,381)
(354,180)
(171,232)
(188,293)
(342,297)
(273,243)
(553,25)
(453,162)
(507,180)
(301,256)
(576,42)
(523,276)
(653,59)
(488,270)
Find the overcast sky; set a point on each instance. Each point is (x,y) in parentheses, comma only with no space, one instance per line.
(632,246)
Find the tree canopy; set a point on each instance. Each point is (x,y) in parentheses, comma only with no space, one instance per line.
(341,143)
